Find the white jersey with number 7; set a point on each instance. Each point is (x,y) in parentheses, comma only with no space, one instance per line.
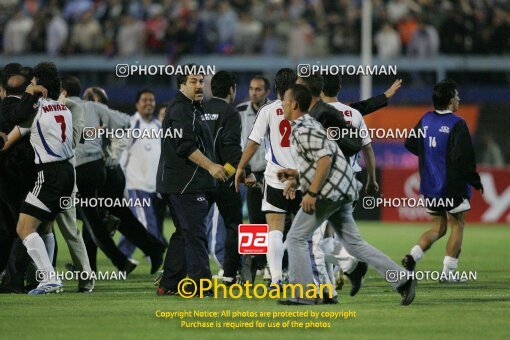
(272,127)
(51,133)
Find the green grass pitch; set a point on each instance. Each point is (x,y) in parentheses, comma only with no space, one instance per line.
(126,310)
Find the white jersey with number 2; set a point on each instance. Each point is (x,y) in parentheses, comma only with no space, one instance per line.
(51,133)
(354,118)
(271,127)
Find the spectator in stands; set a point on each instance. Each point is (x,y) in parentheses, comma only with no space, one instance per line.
(300,40)
(156,28)
(37,36)
(500,38)
(131,36)
(57,33)
(201,27)
(424,42)
(16,34)
(454,31)
(248,33)
(400,9)
(387,42)
(406,28)
(74,10)
(87,34)
(227,26)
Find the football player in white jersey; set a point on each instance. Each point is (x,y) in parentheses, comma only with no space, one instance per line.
(274,130)
(51,135)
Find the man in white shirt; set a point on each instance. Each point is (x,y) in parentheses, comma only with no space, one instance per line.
(140,164)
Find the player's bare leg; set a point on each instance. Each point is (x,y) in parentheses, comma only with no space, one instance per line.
(438,230)
(275,249)
(453,247)
(426,240)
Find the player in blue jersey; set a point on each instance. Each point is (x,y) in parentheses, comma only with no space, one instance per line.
(447,172)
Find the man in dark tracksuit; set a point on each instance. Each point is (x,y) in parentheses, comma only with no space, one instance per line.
(447,172)
(185,177)
(225,123)
(17,173)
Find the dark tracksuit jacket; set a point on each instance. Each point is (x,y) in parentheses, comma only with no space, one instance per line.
(176,173)
(225,124)
(446,156)
(329,117)
(186,187)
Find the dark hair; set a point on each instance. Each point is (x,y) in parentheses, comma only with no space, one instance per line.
(221,83)
(285,79)
(302,95)
(183,77)
(47,76)
(314,83)
(267,86)
(443,93)
(332,85)
(71,85)
(140,93)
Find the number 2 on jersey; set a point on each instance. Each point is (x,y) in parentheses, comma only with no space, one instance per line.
(61,120)
(285,132)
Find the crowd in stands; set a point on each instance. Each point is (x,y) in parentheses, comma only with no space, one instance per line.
(296,28)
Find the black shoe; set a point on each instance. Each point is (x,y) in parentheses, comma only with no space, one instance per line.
(407,291)
(206,294)
(156,261)
(11,290)
(330,301)
(409,263)
(356,277)
(85,290)
(129,266)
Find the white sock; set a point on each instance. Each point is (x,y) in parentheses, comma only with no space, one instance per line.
(37,251)
(450,264)
(328,247)
(49,243)
(347,262)
(274,255)
(416,253)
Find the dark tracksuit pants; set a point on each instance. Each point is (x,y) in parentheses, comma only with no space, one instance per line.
(230,207)
(187,250)
(251,263)
(90,177)
(130,226)
(14,258)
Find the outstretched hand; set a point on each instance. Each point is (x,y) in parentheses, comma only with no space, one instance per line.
(393,88)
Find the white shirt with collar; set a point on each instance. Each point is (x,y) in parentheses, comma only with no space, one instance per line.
(141,157)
